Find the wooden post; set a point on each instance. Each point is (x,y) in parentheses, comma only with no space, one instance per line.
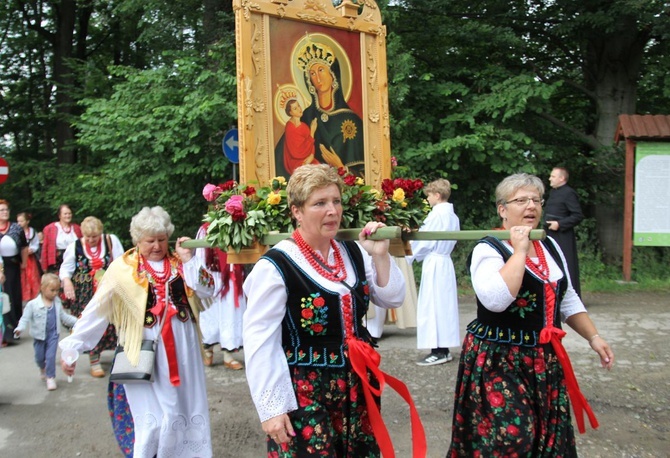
(628,209)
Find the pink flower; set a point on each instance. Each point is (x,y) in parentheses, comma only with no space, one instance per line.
(235,206)
(211,192)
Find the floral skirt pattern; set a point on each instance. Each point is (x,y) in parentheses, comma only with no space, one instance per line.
(122,419)
(331,419)
(510,401)
(83,289)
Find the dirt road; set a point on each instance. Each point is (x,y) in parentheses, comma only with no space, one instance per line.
(632,402)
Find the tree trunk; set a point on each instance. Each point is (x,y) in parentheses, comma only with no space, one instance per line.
(62,75)
(612,68)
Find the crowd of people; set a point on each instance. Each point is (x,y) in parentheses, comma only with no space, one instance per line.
(302,314)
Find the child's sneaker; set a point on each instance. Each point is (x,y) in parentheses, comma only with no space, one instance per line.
(43,374)
(51,384)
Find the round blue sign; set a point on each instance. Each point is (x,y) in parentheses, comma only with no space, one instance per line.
(230,146)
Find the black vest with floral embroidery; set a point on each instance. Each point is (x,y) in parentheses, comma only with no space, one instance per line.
(313,327)
(522,321)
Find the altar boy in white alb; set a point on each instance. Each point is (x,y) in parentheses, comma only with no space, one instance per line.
(437,309)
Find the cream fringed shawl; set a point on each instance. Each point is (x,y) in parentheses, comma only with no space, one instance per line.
(122,294)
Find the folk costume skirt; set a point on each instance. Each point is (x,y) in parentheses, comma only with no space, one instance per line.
(332,418)
(510,401)
(83,288)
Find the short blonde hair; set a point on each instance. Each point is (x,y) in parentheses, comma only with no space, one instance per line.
(308,178)
(49,278)
(440,186)
(91,226)
(149,222)
(507,187)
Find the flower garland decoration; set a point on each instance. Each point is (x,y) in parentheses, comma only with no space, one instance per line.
(235,219)
(240,215)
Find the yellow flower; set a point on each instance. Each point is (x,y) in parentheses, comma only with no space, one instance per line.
(348,129)
(360,181)
(403,204)
(274,198)
(398,195)
(376,192)
(281,180)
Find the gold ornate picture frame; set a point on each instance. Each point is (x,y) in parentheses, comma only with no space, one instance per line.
(312,87)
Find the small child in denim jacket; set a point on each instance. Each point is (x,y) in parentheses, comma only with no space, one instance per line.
(45,315)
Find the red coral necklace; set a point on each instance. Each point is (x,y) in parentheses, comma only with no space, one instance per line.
(162,277)
(96,262)
(335,273)
(68,230)
(541,269)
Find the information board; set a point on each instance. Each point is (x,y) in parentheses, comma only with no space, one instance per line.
(651,220)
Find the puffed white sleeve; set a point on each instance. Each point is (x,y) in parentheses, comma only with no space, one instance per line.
(489,286)
(266,367)
(393,294)
(69,264)
(571,303)
(117,248)
(88,329)
(199,278)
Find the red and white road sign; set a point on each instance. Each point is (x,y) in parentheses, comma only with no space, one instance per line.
(4,170)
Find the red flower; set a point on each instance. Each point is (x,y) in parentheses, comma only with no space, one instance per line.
(307,432)
(307,314)
(305,386)
(319,301)
(316,327)
(249,191)
(496,399)
(512,430)
(483,428)
(228,185)
(481,359)
(353,394)
(341,171)
(539,366)
(350,180)
(341,384)
(338,425)
(312,376)
(521,302)
(366,289)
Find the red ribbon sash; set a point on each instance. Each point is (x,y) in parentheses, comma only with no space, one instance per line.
(363,359)
(552,334)
(168,340)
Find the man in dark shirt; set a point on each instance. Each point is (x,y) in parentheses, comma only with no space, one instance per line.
(562,213)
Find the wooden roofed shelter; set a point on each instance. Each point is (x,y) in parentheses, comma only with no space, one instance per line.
(635,129)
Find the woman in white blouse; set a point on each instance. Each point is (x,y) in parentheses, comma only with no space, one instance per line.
(84,263)
(170,415)
(515,379)
(14,252)
(304,342)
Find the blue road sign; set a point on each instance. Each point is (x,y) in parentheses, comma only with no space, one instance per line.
(230,146)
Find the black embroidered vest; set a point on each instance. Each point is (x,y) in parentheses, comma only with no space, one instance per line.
(522,321)
(313,328)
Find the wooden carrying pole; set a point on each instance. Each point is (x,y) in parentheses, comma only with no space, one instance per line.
(393,232)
